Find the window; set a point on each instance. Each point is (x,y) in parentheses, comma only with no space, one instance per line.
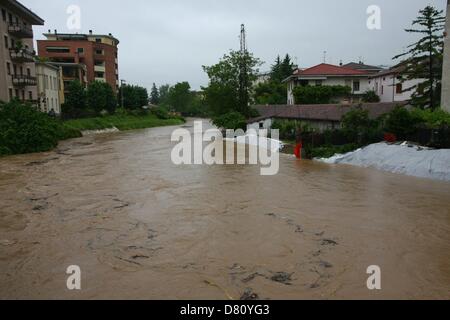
(28,72)
(58,49)
(399,88)
(382,90)
(6,42)
(10,94)
(80,50)
(30,95)
(17,93)
(356,86)
(98,40)
(99,51)
(23,94)
(8,68)
(4,14)
(10,19)
(318,83)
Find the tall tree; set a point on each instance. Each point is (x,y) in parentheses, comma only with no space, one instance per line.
(180,97)
(164,93)
(154,95)
(76,96)
(100,96)
(424,58)
(230,83)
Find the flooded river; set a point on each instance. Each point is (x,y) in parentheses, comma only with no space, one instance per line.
(140,227)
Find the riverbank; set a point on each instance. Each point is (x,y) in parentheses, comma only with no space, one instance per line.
(121,122)
(405,158)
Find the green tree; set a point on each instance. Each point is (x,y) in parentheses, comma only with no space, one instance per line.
(164,94)
(230,84)
(180,97)
(76,96)
(270,93)
(424,58)
(134,97)
(281,69)
(154,95)
(100,96)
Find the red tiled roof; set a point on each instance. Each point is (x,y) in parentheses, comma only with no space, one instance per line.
(321,112)
(325,69)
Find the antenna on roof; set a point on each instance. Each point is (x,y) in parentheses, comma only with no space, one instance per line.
(324,57)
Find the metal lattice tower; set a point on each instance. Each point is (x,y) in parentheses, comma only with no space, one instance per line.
(243,39)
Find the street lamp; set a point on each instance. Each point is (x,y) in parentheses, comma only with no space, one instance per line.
(122,83)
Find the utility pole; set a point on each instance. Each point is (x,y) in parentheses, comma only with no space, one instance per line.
(122,84)
(445,101)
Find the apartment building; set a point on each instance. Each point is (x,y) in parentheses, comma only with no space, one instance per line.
(94,54)
(17,68)
(49,87)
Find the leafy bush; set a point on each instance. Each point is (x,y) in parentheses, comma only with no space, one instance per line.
(270,93)
(232,120)
(370,97)
(432,119)
(161,113)
(359,128)
(402,123)
(23,129)
(320,94)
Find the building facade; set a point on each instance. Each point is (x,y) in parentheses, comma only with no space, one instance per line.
(446,70)
(388,85)
(328,75)
(96,54)
(17,68)
(49,87)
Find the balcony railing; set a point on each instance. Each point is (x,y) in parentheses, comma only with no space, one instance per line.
(20,30)
(24,80)
(22,55)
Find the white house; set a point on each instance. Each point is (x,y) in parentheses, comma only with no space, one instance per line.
(48,83)
(329,75)
(389,87)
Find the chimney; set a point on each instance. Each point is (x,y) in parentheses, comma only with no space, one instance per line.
(340,63)
(56,31)
(90,32)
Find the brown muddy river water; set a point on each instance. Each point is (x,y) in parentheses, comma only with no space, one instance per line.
(140,227)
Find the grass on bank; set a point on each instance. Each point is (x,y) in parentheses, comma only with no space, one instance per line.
(121,122)
(23,129)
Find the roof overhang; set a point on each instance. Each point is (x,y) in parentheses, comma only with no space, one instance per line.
(24,12)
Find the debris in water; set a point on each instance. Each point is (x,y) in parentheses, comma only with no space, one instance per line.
(249,295)
(282,277)
(329,242)
(325,265)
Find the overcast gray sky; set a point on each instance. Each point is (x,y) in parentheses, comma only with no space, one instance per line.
(168,41)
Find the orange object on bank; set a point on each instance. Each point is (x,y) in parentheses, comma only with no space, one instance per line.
(298,150)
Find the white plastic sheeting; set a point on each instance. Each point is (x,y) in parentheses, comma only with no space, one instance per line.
(402,159)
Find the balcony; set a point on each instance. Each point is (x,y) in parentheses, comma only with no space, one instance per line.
(22,55)
(24,80)
(100,68)
(20,30)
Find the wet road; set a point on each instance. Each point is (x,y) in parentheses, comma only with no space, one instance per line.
(141,227)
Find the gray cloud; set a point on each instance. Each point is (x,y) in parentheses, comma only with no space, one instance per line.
(169,41)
